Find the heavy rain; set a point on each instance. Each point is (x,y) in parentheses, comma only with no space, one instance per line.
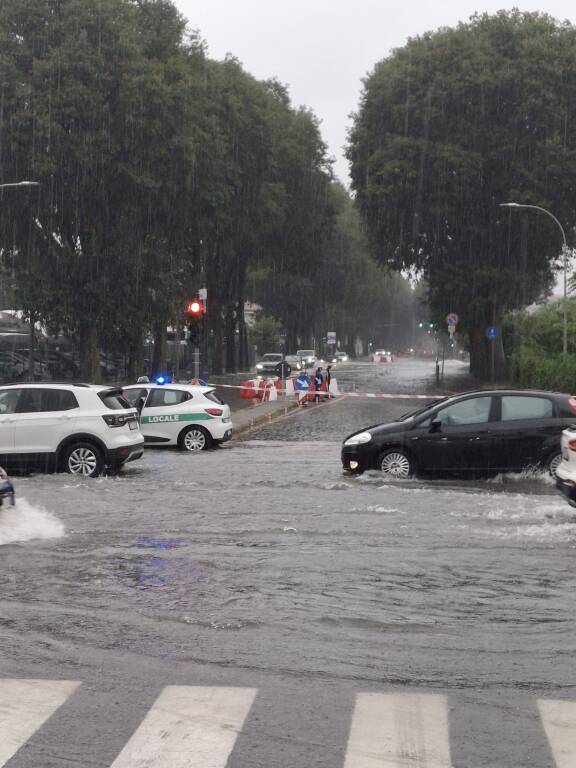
(287,429)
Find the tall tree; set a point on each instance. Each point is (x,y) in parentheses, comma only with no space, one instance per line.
(450,126)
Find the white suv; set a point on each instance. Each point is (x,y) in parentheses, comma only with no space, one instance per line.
(80,428)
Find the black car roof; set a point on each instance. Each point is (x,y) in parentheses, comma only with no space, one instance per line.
(541,392)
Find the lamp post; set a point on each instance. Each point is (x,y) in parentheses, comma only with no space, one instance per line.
(565,260)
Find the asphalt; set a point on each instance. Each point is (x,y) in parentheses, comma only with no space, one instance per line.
(252,606)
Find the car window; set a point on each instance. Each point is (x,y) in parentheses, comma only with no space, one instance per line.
(133,395)
(166,397)
(515,407)
(114,399)
(214,398)
(476,410)
(9,400)
(46,400)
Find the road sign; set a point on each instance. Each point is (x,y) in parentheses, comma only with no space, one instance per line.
(492,332)
(452,319)
(451,329)
(331,337)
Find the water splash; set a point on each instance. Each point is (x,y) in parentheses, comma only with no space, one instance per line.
(24,522)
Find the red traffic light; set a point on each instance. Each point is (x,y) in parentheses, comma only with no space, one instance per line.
(195,308)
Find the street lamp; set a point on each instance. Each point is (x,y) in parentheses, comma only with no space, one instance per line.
(565,255)
(21,184)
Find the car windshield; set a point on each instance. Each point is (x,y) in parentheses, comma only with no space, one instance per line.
(272,358)
(413,414)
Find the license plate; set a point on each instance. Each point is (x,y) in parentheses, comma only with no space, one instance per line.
(133,424)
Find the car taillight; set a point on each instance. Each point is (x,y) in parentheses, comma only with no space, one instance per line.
(572,404)
(214,411)
(572,445)
(116,420)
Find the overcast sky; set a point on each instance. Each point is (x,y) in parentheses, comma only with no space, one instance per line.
(323,48)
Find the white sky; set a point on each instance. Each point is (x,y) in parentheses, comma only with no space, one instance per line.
(323,48)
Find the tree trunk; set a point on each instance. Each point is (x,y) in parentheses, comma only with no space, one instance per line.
(89,353)
(32,346)
(487,360)
(135,359)
(159,356)
(230,340)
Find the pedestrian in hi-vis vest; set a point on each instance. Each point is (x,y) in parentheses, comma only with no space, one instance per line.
(302,385)
(318,381)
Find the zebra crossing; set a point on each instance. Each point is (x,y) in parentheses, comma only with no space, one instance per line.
(197,727)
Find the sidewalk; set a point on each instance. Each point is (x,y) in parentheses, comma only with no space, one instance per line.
(259,413)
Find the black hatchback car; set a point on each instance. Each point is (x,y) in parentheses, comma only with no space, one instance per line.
(473,433)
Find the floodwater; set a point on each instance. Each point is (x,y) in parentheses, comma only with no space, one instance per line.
(260,564)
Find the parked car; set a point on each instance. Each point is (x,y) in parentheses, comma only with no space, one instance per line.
(192,417)
(7,492)
(477,432)
(269,363)
(566,471)
(80,428)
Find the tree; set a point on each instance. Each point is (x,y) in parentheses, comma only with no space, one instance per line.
(450,126)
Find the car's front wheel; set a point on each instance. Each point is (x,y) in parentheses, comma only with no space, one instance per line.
(397,464)
(83,459)
(194,439)
(553,463)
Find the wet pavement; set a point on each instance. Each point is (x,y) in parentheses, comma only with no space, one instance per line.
(349,615)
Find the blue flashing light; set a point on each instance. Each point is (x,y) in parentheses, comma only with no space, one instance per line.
(162,379)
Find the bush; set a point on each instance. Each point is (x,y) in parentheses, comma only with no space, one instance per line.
(535,369)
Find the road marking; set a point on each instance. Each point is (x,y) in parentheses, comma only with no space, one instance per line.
(188,727)
(559,719)
(399,731)
(25,705)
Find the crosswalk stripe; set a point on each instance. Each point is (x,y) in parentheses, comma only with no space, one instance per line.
(399,731)
(188,727)
(559,719)
(24,706)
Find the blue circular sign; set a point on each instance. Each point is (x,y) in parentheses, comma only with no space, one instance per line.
(492,332)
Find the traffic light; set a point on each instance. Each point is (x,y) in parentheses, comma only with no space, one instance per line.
(420,325)
(431,325)
(195,309)
(195,312)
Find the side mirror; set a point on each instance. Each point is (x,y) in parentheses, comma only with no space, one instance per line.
(436,426)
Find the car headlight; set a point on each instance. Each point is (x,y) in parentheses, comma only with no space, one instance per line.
(359,439)
(259,366)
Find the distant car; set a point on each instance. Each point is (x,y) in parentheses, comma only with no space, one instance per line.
(268,364)
(308,357)
(341,357)
(190,416)
(566,471)
(295,362)
(477,432)
(7,492)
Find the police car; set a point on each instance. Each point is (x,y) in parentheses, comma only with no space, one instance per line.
(192,417)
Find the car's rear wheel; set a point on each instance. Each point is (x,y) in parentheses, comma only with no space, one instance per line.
(195,439)
(397,464)
(553,463)
(83,459)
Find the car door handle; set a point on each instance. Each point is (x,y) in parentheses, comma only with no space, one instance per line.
(65,417)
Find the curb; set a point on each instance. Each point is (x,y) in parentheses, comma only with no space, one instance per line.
(280,412)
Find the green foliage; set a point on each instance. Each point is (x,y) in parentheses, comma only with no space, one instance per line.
(533,341)
(453,124)
(265,334)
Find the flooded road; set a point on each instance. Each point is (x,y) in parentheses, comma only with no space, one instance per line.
(261,567)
